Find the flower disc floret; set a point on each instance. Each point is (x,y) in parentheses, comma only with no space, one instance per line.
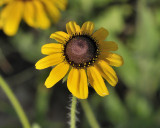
(81,51)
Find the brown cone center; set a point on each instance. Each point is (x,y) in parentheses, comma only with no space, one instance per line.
(80,49)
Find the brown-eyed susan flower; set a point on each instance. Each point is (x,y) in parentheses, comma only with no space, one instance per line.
(36,13)
(82,55)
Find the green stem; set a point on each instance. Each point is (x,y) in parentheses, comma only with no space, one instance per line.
(15,103)
(89,114)
(73,112)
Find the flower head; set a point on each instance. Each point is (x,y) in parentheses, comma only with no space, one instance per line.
(82,55)
(34,12)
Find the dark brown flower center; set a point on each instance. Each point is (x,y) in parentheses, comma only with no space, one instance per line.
(81,51)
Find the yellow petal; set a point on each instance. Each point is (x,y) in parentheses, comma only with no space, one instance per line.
(51,48)
(87,28)
(57,74)
(61,4)
(100,34)
(72,28)
(107,72)
(48,61)
(4,13)
(2,2)
(13,18)
(108,46)
(52,10)
(77,83)
(112,58)
(1,23)
(42,20)
(96,81)
(83,86)
(29,13)
(60,36)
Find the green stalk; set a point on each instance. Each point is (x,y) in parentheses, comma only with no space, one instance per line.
(89,114)
(14,103)
(73,112)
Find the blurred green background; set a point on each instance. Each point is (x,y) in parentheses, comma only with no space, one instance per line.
(133,103)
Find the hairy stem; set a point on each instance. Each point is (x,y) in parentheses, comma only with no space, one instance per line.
(73,112)
(14,103)
(89,114)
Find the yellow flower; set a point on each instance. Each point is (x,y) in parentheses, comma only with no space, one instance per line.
(33,12)
(82,55)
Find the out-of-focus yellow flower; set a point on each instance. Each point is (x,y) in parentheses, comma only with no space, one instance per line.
(84,56)
(35,13)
